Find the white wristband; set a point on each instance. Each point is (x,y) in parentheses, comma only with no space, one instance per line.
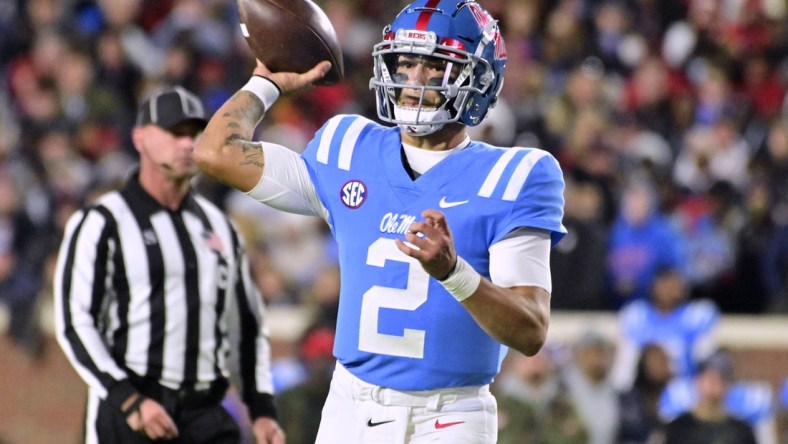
(264,89)
(463,281)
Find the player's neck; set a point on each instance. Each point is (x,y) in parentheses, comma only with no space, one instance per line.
(166,191)
(444,139)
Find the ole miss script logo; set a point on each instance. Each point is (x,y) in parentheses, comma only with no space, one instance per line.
(353,194)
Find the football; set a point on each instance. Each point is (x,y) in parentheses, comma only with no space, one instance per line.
(291,36)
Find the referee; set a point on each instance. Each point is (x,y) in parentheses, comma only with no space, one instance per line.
(155,307)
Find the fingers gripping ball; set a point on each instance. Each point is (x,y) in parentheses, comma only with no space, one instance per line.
(291,36)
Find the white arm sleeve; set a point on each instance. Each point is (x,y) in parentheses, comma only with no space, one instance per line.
(522,258)
(286,184)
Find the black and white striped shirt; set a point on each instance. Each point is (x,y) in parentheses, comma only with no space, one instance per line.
(164,294)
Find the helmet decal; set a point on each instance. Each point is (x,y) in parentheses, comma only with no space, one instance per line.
(424,17)
(483,18)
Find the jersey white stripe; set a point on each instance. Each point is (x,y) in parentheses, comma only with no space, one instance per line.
(495,173)
(91,435)
(113,318)
(81,291)
(175,300)
(135,259)
(263,376)
(349,142)
(326,138)
(208,265)
(92,225)
(78,295)
(521,173)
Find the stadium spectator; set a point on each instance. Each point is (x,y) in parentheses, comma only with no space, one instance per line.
(748,292)
(711,223)
(713,153)
(771,162)
(684,328)
(642,240)
(775,264)
(583,97)
(19,285)
(533,403)
(590,389)
(710,420)
(614,42)
(647,92)
(774,260)
(749,400)
(578,274)
(641,422)
(275,287)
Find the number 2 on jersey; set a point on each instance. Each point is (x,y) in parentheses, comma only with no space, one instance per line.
(411,343)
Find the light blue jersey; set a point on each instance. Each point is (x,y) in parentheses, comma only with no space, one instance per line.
(397,326)
(678,331)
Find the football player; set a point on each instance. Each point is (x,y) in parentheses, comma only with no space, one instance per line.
(444,242)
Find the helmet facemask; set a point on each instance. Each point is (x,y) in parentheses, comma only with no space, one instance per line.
(454,87)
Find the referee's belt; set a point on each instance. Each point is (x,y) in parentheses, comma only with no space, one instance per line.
(183,398)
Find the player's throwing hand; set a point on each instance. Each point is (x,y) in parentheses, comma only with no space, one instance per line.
(434,244)
(291,81)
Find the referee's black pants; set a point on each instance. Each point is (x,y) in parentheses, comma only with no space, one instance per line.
(199,416)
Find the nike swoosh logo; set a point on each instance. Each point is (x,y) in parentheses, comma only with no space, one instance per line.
(439,426)
(444,204)
(375,424)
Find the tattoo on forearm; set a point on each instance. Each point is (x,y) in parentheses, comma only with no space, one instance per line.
(242,116)
(253,154)
(232,137)
(249,107)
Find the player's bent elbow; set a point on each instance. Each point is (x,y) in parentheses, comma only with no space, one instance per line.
(211,161)
(534,319)
(222,166)
(533,343)
(205,161)
(532,336)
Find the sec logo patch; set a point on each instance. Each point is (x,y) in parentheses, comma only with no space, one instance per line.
(353,194)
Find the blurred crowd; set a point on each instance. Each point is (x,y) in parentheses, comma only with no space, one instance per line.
(669,119)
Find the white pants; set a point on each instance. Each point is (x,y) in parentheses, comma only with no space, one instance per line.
(357,412)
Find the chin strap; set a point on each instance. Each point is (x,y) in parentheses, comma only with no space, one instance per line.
(422,128)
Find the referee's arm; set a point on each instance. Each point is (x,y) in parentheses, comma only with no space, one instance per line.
(79,288)
(250,351)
